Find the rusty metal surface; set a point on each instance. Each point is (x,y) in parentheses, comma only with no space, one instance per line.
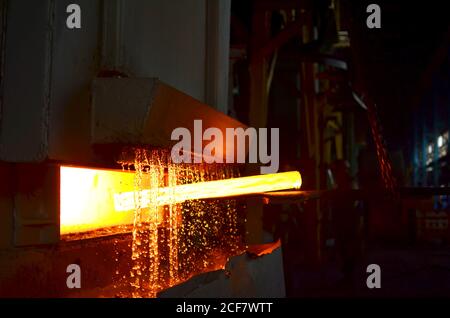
(36,204)
(6,206)
(41,271)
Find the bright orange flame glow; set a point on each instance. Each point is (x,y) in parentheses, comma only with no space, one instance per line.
(91,199)
(87,199)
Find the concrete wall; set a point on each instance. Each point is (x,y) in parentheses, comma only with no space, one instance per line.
(76,59)
(25,81)
(167,39)
(48,68)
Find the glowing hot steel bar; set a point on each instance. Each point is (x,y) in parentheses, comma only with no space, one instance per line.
(92,199)
(211,189)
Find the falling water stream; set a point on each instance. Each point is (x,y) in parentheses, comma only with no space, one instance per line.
(173,242)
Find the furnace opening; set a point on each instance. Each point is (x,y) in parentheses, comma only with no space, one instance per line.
(87,201)
(181,219)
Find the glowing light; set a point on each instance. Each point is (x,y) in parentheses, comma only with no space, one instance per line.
(92,199)
(86,198)
(440,141)
(212,189)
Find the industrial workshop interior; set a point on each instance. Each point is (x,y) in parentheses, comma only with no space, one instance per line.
(257,149)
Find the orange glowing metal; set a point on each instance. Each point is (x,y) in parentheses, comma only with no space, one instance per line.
(86,198)
(211,189)
(92,199)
